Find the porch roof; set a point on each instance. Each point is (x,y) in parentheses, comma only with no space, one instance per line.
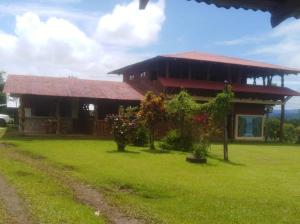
(70,87)
(219,86)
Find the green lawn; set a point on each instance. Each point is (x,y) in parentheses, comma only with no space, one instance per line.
(261,184)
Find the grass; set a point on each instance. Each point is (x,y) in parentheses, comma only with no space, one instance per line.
(259,185)
(46,199)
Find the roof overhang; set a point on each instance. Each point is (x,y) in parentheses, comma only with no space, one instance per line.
(219,86)
(280,9)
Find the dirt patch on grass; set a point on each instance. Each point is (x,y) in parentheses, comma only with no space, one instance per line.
(13,204)
(82,192)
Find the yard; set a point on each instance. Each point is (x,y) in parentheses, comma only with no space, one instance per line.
(260,184)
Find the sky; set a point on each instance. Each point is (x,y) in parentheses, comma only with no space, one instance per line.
(89,38)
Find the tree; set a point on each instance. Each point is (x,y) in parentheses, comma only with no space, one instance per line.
(181,108)
(217,109)
(152,112)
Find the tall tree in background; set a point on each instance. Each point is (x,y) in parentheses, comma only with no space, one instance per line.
(3,109)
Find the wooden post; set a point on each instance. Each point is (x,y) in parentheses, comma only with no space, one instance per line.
(58,117)
(95,118)
(282,114)
(225,131)
(254,81)
(264,80)
(21,112)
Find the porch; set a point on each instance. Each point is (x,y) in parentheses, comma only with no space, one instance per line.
(67,116)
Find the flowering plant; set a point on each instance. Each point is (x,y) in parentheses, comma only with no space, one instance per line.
(122,127)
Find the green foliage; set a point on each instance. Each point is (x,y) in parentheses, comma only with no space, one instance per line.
(122,125)
(140,136)
(180,109)
(218,106)
(152,112)
(290,133)
(200,150)
(298,133)
(272,128)
(174,141)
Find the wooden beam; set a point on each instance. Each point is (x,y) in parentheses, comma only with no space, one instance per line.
(58,121)
(21,114)
(95,118)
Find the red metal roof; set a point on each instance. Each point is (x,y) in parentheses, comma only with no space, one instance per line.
(219,86)
(206,57)
(69,87)
(265,68)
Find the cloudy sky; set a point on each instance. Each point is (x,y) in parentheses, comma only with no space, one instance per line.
(89,38)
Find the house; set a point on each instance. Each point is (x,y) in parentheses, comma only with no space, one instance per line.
(280,9)
(67,105)
(203,75)
(71,105)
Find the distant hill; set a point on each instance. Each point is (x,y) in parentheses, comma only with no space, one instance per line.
(289,114)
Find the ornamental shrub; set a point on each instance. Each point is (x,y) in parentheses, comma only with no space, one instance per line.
(140,136)
(174,141)
(272,130)
(152,112)
(122,127)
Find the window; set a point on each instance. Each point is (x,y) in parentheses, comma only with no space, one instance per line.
(249,127)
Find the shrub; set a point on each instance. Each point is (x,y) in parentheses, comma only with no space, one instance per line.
(298,133)
(200,150)
(290,133)
(122,127)
(273,131)
(174,141)
(140,136)
(152,112)
(272,127)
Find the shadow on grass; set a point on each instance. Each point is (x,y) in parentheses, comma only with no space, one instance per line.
(156,151)
(215,157)
(123,152)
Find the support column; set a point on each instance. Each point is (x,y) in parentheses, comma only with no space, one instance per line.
(225,131)
(21,114)
(95,119)
(58,122)
(282,115)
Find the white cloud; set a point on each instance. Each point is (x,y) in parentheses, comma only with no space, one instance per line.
(57,46)
(129,26)
(282,45)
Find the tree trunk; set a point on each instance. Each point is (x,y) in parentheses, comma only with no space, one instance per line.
(151,139)
(121,147)
(225,140)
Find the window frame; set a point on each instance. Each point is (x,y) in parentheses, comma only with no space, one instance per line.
(237,137)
